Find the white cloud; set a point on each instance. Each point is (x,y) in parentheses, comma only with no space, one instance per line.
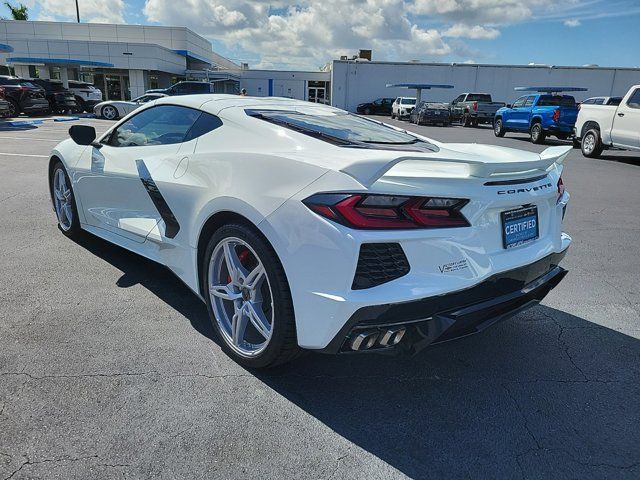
(97,11)
(572,22)
(477,32)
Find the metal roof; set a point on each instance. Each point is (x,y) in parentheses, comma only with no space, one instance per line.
(550,89)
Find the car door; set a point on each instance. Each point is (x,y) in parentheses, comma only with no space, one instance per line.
(514,115)
(626,122)
(115,182)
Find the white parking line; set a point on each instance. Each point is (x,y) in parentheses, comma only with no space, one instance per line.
(31,138)
(23,155)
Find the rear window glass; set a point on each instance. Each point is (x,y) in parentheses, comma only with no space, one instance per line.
(556,101)
(339,128)
(478,97)
(408,101)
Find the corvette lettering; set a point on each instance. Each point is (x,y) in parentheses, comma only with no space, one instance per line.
(525,190)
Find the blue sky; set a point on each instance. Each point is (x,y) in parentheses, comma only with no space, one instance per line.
(309,34)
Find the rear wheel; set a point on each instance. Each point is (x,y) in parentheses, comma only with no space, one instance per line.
(592,144)
(466,120)
(109,112)
(498,128)
(64,201)
(367,111)
(537,133)
(248,298)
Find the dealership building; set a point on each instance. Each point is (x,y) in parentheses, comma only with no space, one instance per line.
(125,60)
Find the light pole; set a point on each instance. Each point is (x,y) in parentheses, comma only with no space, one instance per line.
(77,11)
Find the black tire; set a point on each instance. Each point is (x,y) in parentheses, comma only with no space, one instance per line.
(14,108)
(80,105)
(474,123)
(562,136)
(466,120)
(576,143)
(538,135)
(367,111)
(73,231)
(592,144)
(498,128)
(283,346)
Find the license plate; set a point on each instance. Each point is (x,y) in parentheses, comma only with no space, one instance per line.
(519,226)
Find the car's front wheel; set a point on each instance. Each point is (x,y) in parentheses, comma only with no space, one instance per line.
(248,298)
(498,128)
(109,112)
(64,201)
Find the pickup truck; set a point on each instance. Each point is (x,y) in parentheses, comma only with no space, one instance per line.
(473,108)
(540,115)
(608,126)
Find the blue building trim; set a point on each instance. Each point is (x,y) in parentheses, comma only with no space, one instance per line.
(60,61)
(271,87)
(188,53)
(5,48)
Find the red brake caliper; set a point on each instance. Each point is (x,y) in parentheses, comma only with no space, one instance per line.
(242,256)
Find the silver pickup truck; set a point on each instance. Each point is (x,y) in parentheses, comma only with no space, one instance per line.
(470,109)
(601,127)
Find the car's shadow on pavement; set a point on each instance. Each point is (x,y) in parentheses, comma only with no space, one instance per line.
(543,395)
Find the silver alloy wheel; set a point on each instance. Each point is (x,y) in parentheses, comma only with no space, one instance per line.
(241,297)
(497,128)
(109,112)
(589,143)
(62,200)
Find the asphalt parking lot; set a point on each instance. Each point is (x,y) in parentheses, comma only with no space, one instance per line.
(108,369)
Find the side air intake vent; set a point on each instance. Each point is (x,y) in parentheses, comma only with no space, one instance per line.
(379,263)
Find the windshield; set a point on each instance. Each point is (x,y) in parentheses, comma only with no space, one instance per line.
(479,97)
(340,128)
(556,101)
(408,101)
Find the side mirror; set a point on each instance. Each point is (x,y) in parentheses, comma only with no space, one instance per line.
(82,134)
(508,105)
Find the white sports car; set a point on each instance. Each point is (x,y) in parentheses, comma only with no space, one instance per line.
(303,226)
(114,109)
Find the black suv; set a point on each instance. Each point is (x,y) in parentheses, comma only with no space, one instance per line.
(23,96)
(381,106)
(185,88)
(61,100)
(5,110)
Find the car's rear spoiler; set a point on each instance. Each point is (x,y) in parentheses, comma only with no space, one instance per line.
(367,172)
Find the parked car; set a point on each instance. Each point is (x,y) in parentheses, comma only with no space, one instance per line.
(429,113)
(292,241)
(599,127)
(23,96)
(402,107)
(87,96)
(5,108)
(471,109)
(601,101)
(540,115)
(185,88)
(380,106)
(114,109)
(61,100)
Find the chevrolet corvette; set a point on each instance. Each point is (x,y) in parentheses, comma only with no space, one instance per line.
(305,227)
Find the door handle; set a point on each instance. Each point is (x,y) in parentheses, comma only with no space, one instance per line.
(621,114)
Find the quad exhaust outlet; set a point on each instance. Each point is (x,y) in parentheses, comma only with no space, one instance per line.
(379,338)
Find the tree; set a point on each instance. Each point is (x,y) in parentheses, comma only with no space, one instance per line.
(18,13)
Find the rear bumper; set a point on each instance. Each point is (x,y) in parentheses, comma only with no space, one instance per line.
(446,317)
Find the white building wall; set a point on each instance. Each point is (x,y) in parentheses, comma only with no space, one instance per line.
(283,83)
(136,83)
(357,82)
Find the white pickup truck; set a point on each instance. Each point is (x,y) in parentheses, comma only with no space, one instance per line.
(599,127)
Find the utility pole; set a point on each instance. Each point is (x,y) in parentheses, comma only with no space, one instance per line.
(77,11)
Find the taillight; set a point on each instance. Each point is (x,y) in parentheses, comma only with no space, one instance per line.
(475,106)
(556,115)
(560,186)
(367,211)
